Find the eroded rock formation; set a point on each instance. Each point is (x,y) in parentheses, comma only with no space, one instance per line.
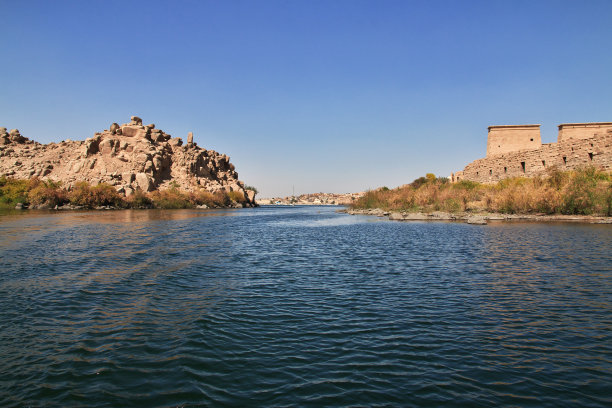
(127,156)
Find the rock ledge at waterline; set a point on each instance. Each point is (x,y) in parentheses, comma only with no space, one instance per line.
(479,219)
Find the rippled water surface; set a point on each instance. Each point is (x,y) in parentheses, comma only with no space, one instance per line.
(301,307)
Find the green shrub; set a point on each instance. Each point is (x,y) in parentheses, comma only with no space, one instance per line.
(451,205)
(36,192)
(218,199)
(372,199)
(608,201)
(139,199)
(466,185)
(221,198)
(171,199)
(103,194)
(47,194)
(587,192)
(419,182)
(237,196)
(204,197)
(13,191)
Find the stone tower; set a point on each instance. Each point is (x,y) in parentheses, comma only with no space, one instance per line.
(581,130)
(512,138)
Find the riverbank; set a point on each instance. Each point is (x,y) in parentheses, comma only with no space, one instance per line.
(561,195)
(44,195)
(476,218)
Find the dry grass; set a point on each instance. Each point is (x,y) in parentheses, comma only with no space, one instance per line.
(587,192)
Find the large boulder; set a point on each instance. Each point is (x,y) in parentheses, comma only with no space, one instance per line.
(477,220)
(251,196)
(4,136)
(133,131)
(144,182)
(92,146)
(107,146)
(157,135)
(395,216)
(127,177)
(176,141)
(16,137)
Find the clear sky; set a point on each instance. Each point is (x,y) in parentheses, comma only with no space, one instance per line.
(326,96)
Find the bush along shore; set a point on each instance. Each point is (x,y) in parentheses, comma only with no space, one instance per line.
(45,194)
(584,194)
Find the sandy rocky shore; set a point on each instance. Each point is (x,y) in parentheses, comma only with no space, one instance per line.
(480,219)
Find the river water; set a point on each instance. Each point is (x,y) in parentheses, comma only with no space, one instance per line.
(301,306)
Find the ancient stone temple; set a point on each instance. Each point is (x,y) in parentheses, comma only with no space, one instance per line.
(517,150)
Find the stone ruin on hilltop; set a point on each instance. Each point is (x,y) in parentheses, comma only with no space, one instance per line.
(129,156)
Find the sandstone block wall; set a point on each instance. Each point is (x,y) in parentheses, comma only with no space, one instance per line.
(506,139)
(568,154)
(581,130)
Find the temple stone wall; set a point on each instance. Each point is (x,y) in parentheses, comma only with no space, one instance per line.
(568,154)
(513,138)
(581,130)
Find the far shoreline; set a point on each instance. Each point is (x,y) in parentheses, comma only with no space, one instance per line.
(476,218)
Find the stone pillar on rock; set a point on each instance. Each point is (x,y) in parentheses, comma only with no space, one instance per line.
(4,136)
(189,138)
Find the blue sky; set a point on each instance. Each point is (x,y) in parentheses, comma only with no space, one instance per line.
(332,96)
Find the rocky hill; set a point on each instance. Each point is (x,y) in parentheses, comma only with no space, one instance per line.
(129,156)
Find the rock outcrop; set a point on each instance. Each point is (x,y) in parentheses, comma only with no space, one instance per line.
(129,156)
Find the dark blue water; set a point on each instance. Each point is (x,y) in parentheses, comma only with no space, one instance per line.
(301,307)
